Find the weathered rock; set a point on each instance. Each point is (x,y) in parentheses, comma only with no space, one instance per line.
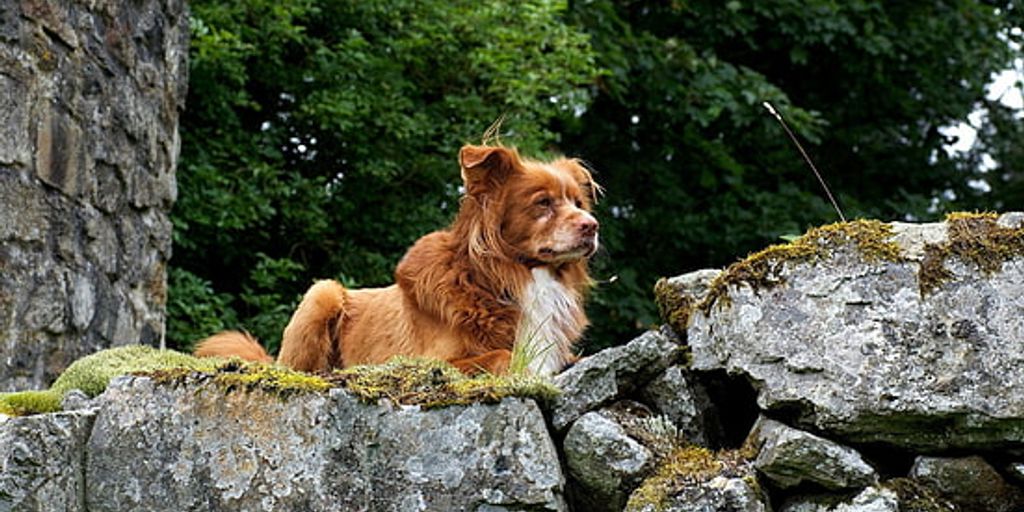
(872,499)
(42,461)
(90,94)
(604,461)
(899,495)
(201,448)
(907,335)
(611,374)
(790,457)
(968,482)
(680,398)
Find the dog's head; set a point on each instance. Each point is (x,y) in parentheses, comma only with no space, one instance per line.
(538,211)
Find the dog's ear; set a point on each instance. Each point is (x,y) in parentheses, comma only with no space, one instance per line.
(485,167)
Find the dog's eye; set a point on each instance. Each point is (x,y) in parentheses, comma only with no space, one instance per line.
(544,202)
(579,204)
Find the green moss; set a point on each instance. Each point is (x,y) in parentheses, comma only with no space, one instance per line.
(675,308)
(687,466)
(430,383)
(423,382)
(975,238)
(24,403)
(92,373)
(237,375)
(762,270)
(916,497)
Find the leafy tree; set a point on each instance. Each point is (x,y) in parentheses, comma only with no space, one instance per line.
(699,174)
(321,138)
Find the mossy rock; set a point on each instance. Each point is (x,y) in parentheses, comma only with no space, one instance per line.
(430,383)
(424,382)
(92,373)
(974,238)
(691,466)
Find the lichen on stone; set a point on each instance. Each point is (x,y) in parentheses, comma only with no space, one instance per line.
(688,466)
(975,238)
(761,270)
(431,383)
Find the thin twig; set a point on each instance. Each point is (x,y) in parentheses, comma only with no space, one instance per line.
(778,116)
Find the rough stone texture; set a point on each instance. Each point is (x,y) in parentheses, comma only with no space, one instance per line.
(42,461)
(201,449)
(89,99)
(968,482)
(605,461)
(790,457)
(872,499)
(611,374)
(854,349)
(897,495)
(677,396)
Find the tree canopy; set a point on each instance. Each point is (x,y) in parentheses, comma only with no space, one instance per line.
(320,138)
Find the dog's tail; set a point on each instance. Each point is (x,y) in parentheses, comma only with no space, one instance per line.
(233,344)
(312,339)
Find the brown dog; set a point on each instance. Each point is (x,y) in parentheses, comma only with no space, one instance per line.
(512,268)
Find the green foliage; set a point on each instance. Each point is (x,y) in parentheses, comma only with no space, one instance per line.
(320,138)
(194,309)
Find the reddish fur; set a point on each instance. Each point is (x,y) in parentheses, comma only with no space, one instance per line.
(457,290)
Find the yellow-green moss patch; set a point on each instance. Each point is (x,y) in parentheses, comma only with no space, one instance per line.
(974,238)
(761,270)
(688,466)
(24,403)
(92,373)
(430,383)
(237,375)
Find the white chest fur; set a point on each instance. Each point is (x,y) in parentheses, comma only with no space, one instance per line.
(548,325)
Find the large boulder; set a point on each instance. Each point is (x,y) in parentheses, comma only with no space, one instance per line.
(901,334)
(201,447)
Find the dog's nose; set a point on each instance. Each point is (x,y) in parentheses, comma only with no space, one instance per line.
(587,226)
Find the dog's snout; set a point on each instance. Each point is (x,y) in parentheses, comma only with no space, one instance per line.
(587,226)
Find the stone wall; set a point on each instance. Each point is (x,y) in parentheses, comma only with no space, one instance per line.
(90,94)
